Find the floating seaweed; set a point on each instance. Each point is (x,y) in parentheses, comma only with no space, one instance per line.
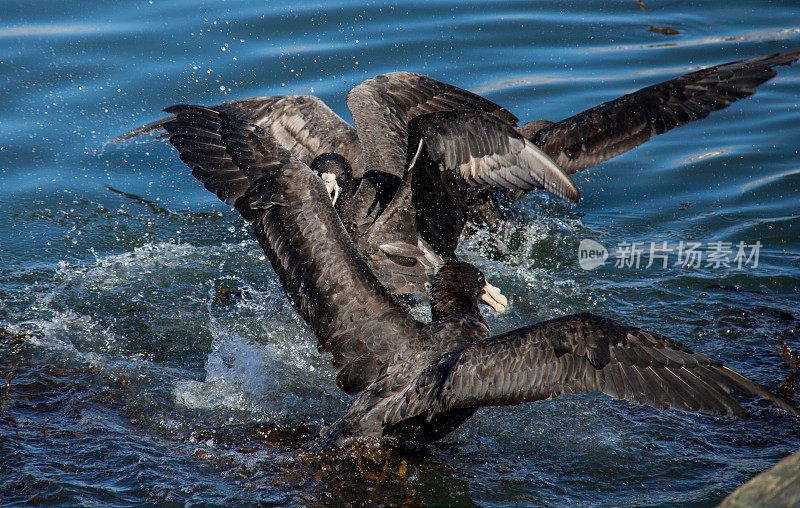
(662,30)
(791,358)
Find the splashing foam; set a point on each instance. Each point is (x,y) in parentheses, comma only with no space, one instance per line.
(90,309)
(239,375)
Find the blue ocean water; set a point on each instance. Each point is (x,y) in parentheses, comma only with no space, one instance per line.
(127,379)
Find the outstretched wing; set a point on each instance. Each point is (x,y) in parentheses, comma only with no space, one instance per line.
(612,128)
(383,106)
(453,153)
(352,315)
(450,154)
(579,353)
(486,152)
(303,124)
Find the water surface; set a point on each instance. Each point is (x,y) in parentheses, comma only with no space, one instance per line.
(127,381)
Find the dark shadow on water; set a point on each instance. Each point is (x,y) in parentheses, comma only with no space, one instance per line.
(152,205)
(159,210)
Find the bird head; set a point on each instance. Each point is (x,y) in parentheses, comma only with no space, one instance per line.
(459,286)
(335,172)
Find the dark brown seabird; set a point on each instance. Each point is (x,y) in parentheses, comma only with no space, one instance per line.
(407,235)
(418,381)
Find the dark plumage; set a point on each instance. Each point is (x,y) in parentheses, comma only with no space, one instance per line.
(407,223)
(419,381)
(379,215)
(605,131)
(407,228)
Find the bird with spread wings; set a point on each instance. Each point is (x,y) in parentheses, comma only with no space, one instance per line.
(404,215)
(418,381)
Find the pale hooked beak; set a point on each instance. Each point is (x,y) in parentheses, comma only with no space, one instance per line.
(492,296)
(331,186)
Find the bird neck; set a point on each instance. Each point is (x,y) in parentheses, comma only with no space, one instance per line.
(346,207)
(455,307)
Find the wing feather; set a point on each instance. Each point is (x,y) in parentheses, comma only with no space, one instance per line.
(612,128)
(303,124)
(383,106)
(579,353)
(484,151)
(464,151)
(350,312)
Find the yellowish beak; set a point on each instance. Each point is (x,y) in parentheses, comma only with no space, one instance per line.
(492,296)
(331,186)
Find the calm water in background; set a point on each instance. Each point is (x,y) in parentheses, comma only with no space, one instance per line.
(127,382)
